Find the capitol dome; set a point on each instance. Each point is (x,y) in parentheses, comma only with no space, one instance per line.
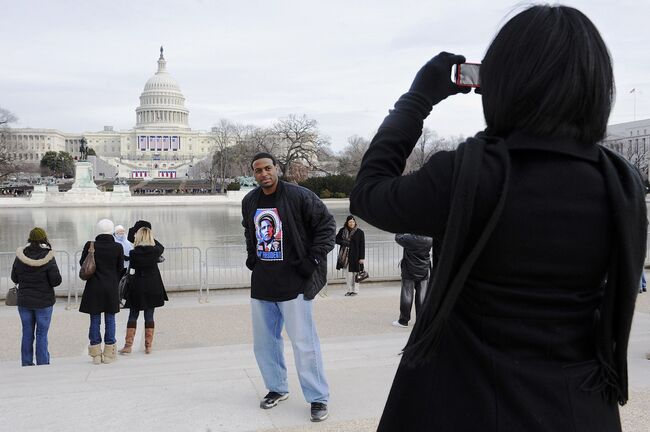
(162,104)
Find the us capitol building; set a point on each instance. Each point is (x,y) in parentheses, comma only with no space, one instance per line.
(161,145)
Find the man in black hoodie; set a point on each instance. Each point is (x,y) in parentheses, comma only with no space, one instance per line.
(416,267)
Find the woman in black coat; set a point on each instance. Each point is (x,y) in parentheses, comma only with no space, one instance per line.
(36,273)
(146,290)
(101,293)
(542,236)
(352,252)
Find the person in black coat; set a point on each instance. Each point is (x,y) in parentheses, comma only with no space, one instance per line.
(36,273)
(101,293)
(542,235)
(146,290)
(416,268)
(352,253)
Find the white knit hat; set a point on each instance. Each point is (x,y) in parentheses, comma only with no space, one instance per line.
(105,226)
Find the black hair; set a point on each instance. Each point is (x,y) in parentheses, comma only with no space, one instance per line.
(264,155)
(548,73)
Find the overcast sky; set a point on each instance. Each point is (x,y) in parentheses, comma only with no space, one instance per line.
(79,65)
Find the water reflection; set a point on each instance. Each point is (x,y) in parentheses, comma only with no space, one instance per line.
(69,228)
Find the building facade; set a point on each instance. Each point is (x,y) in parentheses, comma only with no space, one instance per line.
(161,144)
(632,140)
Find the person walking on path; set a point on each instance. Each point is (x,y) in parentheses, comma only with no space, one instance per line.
(416,268)
(284,281)
(527,321)
(36,273)
(146,290)
(101,294)
(120,237)
(352,252)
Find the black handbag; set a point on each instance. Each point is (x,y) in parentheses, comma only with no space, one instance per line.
(12,296)
(361,276)
(123,287)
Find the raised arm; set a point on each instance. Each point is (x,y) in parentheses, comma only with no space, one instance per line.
(418,202)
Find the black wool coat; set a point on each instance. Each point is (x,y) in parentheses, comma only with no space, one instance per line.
(146,288)
(36,273)
(101,292)
(357,247)
(521,348)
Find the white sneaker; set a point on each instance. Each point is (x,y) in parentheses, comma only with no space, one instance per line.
(396,323)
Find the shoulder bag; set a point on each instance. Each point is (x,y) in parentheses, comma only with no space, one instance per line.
(88,267)
(12,296)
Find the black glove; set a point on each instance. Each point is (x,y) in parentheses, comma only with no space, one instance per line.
(306,266)
(251,261)
(433,80)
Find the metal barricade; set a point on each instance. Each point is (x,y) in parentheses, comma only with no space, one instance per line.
(188,268)
(225,267)
(381,262)
(182,269)
(6,263)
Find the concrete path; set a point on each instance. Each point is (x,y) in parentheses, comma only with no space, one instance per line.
(202,375)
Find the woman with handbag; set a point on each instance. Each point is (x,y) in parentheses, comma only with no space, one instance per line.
(352,252)
(145,289)
(540,233)
(101,293)
(36,273)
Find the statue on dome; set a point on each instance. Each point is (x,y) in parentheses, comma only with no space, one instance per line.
(83,149)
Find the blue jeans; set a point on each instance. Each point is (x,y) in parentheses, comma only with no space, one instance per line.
(134,314)
(94,333)
(296,316)
(36,323)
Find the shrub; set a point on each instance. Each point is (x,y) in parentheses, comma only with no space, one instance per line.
(334,184)
(325,193)
(234,186)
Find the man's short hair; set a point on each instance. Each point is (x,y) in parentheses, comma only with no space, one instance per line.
(264,155)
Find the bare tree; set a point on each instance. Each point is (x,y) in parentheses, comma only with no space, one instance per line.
(428,144)
(298,144)
(351,156)
(7,164)
(636,151)
(208,170)
(250,140)
(223,136)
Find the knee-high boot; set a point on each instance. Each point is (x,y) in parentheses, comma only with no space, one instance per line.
(148,337)
(130,335)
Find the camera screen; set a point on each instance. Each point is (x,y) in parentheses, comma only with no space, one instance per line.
(467,74)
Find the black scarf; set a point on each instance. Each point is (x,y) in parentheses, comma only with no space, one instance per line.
(457,257)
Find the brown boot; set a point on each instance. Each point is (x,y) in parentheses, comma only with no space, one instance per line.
(130,335)
(148,337)
(95,351)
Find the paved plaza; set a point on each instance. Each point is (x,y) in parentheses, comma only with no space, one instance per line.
(202,375)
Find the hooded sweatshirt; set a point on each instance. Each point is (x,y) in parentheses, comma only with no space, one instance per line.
(36,273)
